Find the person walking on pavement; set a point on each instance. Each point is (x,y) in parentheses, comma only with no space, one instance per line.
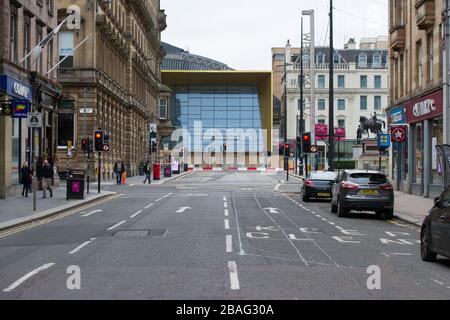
(147,173)
(47,176)
(119,168)
(25,179)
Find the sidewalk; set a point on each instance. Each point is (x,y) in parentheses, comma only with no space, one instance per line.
(412,209)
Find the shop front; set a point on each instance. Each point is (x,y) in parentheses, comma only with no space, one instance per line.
(398,150)
(13,134)
(425,119)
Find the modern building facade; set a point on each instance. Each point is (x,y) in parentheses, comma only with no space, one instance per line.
(416,94)
(361,89)
(24,24)
(112,82)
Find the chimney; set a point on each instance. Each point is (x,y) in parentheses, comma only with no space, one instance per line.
(287,52)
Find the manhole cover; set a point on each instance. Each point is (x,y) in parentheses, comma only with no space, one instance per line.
(140,233)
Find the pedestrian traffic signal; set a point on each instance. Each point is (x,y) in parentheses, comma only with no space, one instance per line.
(306,142)
(98,140)
(85,145)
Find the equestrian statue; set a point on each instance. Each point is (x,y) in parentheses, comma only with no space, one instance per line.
(372,125)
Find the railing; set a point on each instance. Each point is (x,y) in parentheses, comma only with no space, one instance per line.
(343,66)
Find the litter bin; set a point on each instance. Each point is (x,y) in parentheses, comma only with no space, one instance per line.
(186,167)
(75,185)
(156,171)
(168,171)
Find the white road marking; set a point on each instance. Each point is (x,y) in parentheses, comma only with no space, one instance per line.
(28,276)
(438,282)
(224,198)
(183,209)
(278,186)
(233,275)
(227,224)
(332,223)
(81,246)
(401,254)
(323,219)
(91,213)
(137,213)
(272,210)
(167,195)
(148,206)
(229,244)
(318,216)
(226,213)
(116,225)
(293,237)
(225,205)
(340,228)
(385,254)
(158,200)
(131,185)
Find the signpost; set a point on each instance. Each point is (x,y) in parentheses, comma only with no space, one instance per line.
(384,142)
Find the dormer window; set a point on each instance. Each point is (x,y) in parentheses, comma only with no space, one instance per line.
(362,60)
(376,61)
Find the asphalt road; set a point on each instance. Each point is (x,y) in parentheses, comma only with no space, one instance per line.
(217,235)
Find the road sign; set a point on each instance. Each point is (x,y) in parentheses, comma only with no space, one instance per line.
(106,147)
(291,155)
(398,134)
(34,120)
(384,140)
(20,108)
(314,149)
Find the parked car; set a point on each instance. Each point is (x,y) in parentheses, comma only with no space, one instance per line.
(318,185)
(435,234)
(362,190)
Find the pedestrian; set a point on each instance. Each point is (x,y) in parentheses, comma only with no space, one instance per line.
(119,168)
(47,176)
(147,173)
(25,179)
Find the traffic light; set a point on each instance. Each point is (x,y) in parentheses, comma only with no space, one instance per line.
(98,140)
(85,145)
(306,142)
(224,147)
(287,149)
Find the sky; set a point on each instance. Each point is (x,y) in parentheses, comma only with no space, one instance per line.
(241,33)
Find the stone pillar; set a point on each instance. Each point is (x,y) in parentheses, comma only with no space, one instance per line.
(427,155)
(411,156)
(5,156)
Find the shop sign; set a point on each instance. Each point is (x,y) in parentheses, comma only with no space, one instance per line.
(384,140)
(20,108)
(398,133)
(15,88)
(397,115)
(320,131)
(424,108)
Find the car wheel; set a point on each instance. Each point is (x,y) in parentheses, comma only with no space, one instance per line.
(305,198)
(425,247)
(389,214)
(341,212)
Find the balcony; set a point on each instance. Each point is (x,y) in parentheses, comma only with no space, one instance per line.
(398,37)
(425,14)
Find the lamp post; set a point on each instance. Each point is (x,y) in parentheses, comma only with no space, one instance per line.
(331,97)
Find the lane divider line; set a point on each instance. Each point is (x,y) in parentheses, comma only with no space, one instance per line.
(148,206)
(81,246)
(91,213)
(227,224)
(28,276)
(116,225)
(234,279)
(225,205)
(226,213)
(136,214)
(229,243)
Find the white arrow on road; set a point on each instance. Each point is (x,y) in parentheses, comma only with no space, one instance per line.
(272,210)
(270,228)
(183,209)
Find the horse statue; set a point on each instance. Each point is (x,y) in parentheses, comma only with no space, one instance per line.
(372,125)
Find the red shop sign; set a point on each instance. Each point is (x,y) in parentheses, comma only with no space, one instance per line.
(426,107)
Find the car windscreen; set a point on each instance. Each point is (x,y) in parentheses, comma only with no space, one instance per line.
(327,176)
(368,178)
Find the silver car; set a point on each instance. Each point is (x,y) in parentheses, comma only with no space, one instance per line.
(362,190)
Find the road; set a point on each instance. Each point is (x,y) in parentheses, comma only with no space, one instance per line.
(217,235)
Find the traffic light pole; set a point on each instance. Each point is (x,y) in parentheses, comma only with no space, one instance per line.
(99,171)
(331,97)
(301,97)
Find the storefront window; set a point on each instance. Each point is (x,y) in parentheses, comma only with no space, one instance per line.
(437,135)
(65,128)
(418,147)
(15,151)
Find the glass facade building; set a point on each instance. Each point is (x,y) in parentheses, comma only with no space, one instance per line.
(218,116)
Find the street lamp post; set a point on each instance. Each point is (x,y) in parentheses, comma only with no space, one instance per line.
(331,97)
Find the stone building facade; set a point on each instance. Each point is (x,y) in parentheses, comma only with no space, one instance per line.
(112,81)
(416,81)
(23,24)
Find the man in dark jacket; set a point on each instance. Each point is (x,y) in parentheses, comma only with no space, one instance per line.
(47,176)
(119,168)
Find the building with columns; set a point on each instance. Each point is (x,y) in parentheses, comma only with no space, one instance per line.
(112,81)
(416,94)
(361,89)
(23,25)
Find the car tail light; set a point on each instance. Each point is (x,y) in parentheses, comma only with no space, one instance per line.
(309,183)
(387,187)
(349,186)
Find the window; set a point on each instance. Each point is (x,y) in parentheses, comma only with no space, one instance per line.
(377,102)
(26,42)
(278,57)
(320,58)
(430,57)
(341,123)
(341,82)
(363,82)
(65,128)
(13,37)
(321,79)
(419,72)
(321,104)
(50,55)
(321,121)
(51,6)
(341,104)
(362,60)
(376,62)
(336,58)
(306,59)
(363,103)
(38,40)
(163,109)
(65,47)
(377,82)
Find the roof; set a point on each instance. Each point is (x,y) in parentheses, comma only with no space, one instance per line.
(179,59)
(349,55)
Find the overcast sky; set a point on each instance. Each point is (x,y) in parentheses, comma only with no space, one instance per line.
(241,33)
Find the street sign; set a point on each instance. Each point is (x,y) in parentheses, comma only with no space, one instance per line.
(314,149)
(34,120)
(398,133)
(20,108)
(106,147)
(384,140)
(291,155)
